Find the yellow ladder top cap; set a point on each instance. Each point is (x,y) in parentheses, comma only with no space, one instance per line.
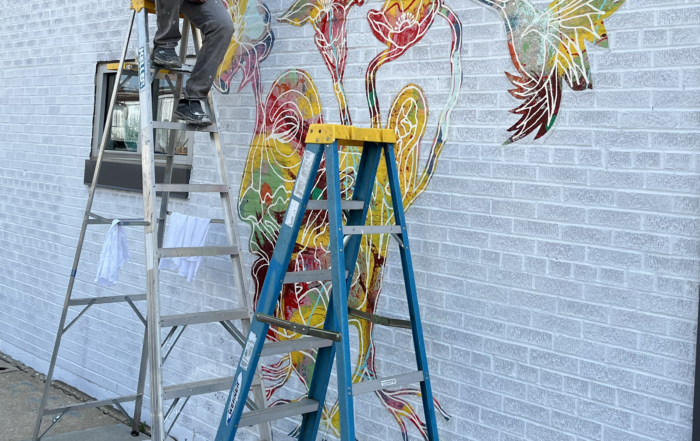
(347,135)
(137,5)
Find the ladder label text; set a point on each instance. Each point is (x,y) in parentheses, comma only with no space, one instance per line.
(234,397)
(304,172)
(248,351)
(291,213)
(386,383)
(142,68)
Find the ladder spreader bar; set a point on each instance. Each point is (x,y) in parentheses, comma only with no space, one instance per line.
(102,300)
(90,404)
(380,320)
(296,327)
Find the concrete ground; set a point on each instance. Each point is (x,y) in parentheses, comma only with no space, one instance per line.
(21,390)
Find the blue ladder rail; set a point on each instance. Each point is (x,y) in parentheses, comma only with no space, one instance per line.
(332,341)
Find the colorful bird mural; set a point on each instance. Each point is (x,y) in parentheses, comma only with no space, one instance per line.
(547,48)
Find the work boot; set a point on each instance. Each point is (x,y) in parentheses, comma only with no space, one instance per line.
(166,57)
(192,113)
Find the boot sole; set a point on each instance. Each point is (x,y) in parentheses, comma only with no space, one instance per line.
(196,122)
(165,64)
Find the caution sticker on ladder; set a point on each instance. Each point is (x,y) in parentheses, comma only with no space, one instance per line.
(291,213)
(248,351)
(304,172)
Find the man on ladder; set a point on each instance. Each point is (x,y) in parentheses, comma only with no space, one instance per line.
(213,20)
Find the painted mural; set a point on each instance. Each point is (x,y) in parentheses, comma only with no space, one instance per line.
(547,48)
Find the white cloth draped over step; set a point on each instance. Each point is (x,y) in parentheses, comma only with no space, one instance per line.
(185,231)
(115,253)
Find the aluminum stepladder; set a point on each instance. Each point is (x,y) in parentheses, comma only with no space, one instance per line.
(152,357)
(324,139)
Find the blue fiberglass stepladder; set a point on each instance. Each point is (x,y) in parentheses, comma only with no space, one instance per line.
(323,139)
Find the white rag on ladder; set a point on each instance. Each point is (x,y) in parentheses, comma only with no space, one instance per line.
(185,231)
(115,253)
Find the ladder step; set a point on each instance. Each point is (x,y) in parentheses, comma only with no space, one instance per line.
(322,204)
(192,188)
(372,229)
(186,68)
(182,126)
(230,250)
(278,412)
(111,299)
(90,404)
(308,276)
(196,318)
(387,382)
(380,320)
(296,345)
(125,222)
(298,328)
(197,388)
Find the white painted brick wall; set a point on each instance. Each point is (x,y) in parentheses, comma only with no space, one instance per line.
(558,278)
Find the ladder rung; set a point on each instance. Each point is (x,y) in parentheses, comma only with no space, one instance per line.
(196,318)
(298,328)
(380,320)
(186,68)
(322,204)
(182,126)
(296,345)
(125,222)
(387,382)
(230,250)
(111,299)
(309,276)
(192,188)
(372,229)
(278,412)
(197,388)
(213,221)
(91,404)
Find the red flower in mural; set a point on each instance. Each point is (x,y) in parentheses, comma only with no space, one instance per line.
(329,20)
(400,24)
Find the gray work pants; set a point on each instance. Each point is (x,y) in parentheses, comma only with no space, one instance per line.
(214,21)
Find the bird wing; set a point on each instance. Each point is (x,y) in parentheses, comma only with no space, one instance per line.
(577,21)
(542,95)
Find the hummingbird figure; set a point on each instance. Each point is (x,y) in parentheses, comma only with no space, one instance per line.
(548,47)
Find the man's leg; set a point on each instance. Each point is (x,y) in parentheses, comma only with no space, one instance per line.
(214,21)
(168,35)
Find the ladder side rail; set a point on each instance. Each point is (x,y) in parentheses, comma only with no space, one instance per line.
(340,309)
(411,294)
(170,154)
(150,241)
(230,221)
(141,386)
(269,294)
(83,230)
(364,185)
